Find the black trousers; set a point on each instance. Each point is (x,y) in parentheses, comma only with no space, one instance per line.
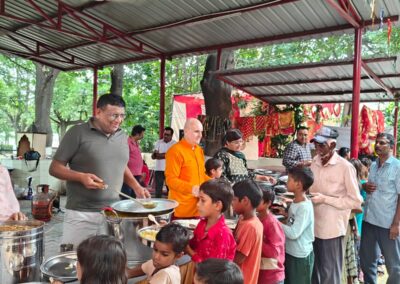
(160,179)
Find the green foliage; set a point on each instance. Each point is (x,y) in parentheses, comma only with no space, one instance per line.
(72,99)
(16,95)
(142,92)
(389,121)
(338,47)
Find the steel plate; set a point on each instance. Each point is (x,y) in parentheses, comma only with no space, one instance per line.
(62,267)
(130,206)
(151,233)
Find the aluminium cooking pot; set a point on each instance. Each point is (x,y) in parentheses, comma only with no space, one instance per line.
(125,218)
(21,251)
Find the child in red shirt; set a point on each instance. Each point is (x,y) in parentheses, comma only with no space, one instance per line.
(212,238)
(273,246)
(249,230)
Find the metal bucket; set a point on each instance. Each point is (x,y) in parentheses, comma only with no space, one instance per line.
(21,252)
(125,227)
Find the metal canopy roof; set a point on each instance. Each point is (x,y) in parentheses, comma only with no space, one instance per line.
(318,82)
(74,34)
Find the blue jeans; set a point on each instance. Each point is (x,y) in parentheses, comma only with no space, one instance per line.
(375,240)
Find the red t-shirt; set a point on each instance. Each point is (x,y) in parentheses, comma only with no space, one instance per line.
(248,235)
(272,269)
(135,162)
(218,242)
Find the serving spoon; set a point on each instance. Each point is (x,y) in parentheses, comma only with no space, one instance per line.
(145,204)
(153,219)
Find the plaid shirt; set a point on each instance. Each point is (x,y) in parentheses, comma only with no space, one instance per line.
(295,153)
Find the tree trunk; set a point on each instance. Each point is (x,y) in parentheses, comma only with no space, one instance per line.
(346,116)
(45,79)
(217,100)
(117,79)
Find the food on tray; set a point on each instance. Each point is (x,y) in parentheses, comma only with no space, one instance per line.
(149,234)
(70,266)
(188,223)
(149,204)
(14,228)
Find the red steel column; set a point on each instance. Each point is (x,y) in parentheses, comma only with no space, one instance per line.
(162,97)
(395,122)
(355,106)
(94,91)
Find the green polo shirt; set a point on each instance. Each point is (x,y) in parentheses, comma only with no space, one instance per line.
(86,149)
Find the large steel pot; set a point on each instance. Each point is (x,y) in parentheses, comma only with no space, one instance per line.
(21,252)
(125,227)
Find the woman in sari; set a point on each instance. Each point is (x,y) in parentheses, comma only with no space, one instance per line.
(234,161)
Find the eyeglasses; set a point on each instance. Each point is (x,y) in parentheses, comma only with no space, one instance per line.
(237,142)
(115,116)
(383,143)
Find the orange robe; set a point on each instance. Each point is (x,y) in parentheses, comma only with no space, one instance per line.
(184,168)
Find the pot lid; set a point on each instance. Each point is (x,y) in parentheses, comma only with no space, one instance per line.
(130,206)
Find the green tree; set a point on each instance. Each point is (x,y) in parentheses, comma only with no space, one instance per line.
(16,95)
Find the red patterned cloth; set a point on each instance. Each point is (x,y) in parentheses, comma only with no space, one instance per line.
(286,122)
(250,126)
(371,123)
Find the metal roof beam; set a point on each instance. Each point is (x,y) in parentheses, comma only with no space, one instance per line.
(38,44)
(245,71)
(229,82)
(132,44)
(265,40)
(198,19)
(60,13)
(374,100)
(344,14)
(313,81)
(30,57)
(216,15)
(113,62)
(330,93)
(34,57)
(376,77)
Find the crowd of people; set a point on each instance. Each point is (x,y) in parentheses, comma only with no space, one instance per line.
(316,242)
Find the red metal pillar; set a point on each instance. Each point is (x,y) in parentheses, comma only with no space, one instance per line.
(395,122)
(162,97)
(355,106)
(94,91)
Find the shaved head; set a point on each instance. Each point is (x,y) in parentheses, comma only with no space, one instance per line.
(193,131)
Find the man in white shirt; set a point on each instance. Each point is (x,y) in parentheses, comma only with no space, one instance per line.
(160,149)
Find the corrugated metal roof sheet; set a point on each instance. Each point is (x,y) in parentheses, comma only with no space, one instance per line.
(167,27)
(316,82)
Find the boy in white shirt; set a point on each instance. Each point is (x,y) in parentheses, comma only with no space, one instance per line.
(169,246)
(299,229)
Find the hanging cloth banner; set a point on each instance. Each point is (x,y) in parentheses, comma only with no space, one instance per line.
(389,31)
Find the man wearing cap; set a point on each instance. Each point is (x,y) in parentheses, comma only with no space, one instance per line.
(335,193)
(381,225)
(298,153)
